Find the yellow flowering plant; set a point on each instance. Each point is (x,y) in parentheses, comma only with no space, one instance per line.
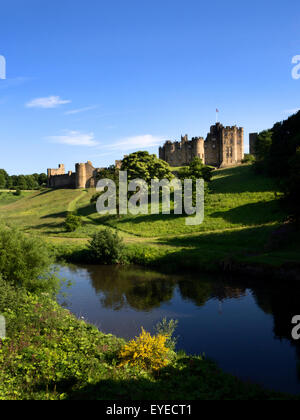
(145,351)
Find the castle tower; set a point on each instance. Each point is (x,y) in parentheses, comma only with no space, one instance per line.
(232,146)
(198,148)
(80,175)
(223,147)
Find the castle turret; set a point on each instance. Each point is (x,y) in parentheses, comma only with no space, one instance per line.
(80,175)
(198,148)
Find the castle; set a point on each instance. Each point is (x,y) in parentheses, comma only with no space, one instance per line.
(85,176)
(223,147)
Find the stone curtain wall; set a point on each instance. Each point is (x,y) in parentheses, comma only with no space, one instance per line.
(83,177)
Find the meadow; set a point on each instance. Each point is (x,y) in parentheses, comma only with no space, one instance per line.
(242,211)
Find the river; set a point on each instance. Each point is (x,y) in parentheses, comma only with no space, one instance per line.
(244,326)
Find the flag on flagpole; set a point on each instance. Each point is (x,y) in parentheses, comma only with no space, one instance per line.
(217,110)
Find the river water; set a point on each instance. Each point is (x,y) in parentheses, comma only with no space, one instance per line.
(244,326)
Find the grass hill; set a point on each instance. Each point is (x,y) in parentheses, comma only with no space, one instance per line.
(241,212)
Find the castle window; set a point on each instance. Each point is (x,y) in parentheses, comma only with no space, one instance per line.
(228,152)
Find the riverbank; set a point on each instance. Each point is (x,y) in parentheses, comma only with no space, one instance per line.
(49,354)
(194,254)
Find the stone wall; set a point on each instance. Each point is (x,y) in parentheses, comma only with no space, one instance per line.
(84,176)
(183,152)
(224,146)
(62,181)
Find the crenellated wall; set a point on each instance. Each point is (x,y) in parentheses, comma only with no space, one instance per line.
(224,146)
(183,152)
(84,176)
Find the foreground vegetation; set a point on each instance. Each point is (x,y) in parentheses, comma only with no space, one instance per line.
(49,354)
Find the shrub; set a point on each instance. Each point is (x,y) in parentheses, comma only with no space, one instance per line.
(248,158)
(25,261)
(145,166)
(146,352)
(72,222)
(18,192)
(196,170)
(106,247)
(167,328)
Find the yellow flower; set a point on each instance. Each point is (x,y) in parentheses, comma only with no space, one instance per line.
(145,351)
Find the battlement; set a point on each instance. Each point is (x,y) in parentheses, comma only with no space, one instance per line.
(85,176)
(224,146)
(59,171)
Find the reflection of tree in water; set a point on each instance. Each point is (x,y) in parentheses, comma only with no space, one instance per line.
(133,287)
(283,302)
(200,291)
(141,289)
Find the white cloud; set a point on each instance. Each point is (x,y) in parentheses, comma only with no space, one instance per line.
(136,143)
(49,102)
(79,110)
(291,111)
(75,138)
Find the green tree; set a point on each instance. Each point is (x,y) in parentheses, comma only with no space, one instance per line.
(196,170)
(4,174)
(72,222)
(263,144)
(42,179)
(106,247)
(145,166)
(25,261)
(21,182)
(2,181)
(31,182)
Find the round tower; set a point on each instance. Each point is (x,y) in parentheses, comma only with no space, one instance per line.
(198,148)
(80,175)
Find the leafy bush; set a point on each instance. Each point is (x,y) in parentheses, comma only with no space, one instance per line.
(106,247)
(167,328)
(145,166)
(72,222)
(18,191)
(25,261)
(196,170)
(146,352)
(248,158)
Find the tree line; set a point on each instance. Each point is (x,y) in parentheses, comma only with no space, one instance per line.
(22,182)
(278,155)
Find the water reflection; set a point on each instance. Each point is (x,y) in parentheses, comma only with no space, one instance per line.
(245,326)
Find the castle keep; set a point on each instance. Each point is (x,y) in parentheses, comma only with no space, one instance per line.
(85,176)
(224,146)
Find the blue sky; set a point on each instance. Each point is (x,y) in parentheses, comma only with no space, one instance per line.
(94,80)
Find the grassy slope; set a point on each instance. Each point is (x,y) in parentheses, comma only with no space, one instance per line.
(240,215)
